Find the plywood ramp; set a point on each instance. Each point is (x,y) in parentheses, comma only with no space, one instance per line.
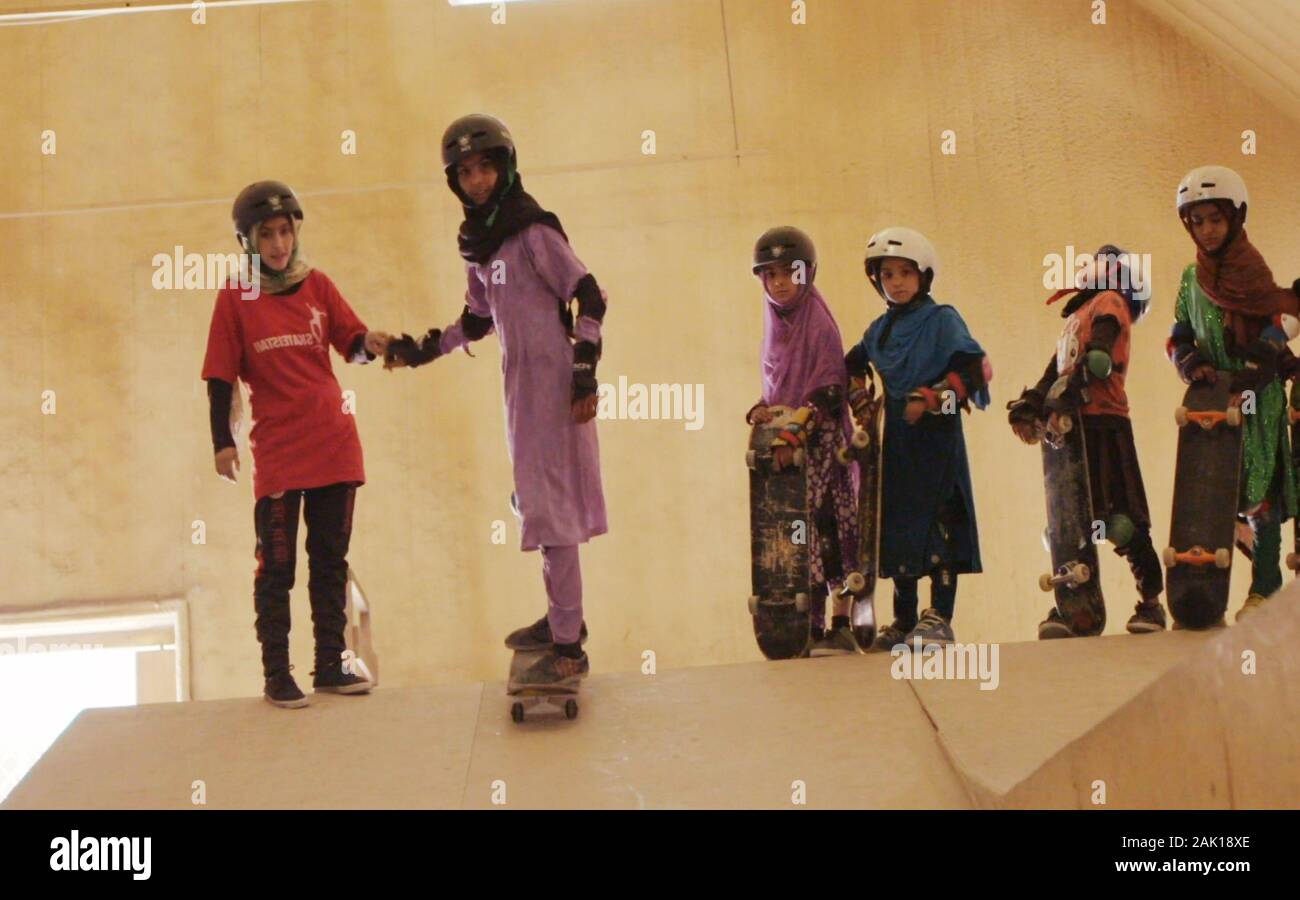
(1165,720)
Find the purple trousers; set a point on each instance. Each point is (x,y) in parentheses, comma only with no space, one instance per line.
(563,577)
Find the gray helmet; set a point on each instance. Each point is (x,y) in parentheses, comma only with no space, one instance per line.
(260,201)
(784,245)
(473,134)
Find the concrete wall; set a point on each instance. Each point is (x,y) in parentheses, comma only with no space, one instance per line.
(1067,133)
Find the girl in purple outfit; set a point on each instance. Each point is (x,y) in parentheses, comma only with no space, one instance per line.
(803,366)
(522,278)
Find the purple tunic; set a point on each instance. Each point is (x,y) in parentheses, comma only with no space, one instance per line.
(558,495)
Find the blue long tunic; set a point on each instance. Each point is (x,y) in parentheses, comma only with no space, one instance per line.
(925,464)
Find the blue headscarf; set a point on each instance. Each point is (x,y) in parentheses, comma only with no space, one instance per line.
(920,337)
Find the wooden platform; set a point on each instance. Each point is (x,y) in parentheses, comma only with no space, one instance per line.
(1163,720)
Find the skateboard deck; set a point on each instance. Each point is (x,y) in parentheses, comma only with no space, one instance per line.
(1075,579)
(1206,495)
(359,658)
(780,564)
(865,448)
(1293,416)
(562,696)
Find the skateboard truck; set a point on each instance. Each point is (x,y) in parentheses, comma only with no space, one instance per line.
(862,613)
(1071,575)
(528,701)
(1198,556)
(1207,418)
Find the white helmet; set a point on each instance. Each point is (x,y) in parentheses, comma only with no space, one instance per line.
(902,243)
(1212,183)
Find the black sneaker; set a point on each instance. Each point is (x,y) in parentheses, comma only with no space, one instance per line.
(1054,627)
(553,669)
(1147,617)
(282,691)
(537,636)
(331,679)
(890,636)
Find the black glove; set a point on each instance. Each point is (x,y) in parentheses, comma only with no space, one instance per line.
(585,356)
(1261,366)
(406,351)
(1027,409)
(1187,359)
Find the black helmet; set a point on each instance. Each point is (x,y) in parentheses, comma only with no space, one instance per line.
(261,201)
(472,134)
(784,244)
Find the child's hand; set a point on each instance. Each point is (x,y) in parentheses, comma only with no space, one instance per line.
(1205,373)
(227,461)
(377,342)
(913,411)
(782,457)
(584,410)
(761,416)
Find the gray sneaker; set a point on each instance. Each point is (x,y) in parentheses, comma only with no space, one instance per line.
(552,670)
(1054,627)
(888,637)
(537,636)
(932,631)
(838,642)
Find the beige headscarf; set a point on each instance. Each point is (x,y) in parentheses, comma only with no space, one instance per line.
(271,282)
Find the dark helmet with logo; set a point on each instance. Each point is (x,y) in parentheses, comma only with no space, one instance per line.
(784,245)
(474,134)
(260,201)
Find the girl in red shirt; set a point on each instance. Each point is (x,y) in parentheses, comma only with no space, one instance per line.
(304,441)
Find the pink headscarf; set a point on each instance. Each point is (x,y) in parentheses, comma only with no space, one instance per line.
(802,351)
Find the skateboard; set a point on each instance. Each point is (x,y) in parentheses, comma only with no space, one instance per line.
(781,574)
(562,696)
(864,448)
(1293,416)
(359,658)
(1075,578)
(1204,521)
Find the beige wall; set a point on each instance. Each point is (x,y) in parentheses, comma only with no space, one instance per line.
(1066,133)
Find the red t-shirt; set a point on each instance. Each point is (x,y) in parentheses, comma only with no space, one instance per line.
(1106,397)
(279,345)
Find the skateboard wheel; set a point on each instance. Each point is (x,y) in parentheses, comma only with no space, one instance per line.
(855,583)
(1081,574)
(517,712)
(570,709)
(1169,557)
(798,457)
(801,602)
(753,604)
(1045,582)
(1222,558)
(842,456)
(1064,424)
(1180,416)
(751,459)
(860,438)
(1233,416)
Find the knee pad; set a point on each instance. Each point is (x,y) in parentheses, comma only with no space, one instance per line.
(1120,530)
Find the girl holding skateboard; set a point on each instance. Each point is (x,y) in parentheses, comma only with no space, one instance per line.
(549,366)
(1229,318)
(1088,372)
(306,451)
(803,368)
(932,369)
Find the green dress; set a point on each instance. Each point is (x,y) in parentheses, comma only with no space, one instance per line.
(1267,452)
